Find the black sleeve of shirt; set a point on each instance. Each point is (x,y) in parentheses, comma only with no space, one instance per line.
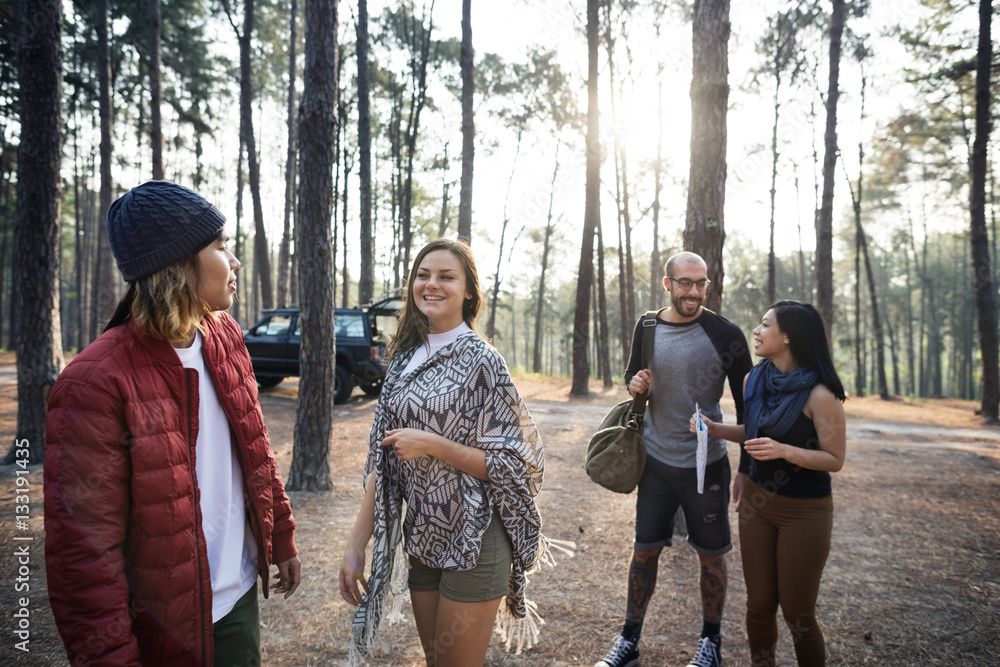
(744,466)
(734,353)
(635,355)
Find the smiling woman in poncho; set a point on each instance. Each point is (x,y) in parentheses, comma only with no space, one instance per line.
(453,466)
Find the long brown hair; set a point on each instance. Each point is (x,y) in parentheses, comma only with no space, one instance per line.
(165,304)
(413,326)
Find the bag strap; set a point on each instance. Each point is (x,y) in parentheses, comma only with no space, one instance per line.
(648,337)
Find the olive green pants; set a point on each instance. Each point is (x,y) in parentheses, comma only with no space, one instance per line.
(237,634)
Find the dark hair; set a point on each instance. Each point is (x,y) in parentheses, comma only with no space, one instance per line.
(413,326)
(803,325)
(165,304)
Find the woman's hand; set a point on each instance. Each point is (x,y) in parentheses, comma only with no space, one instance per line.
(352,571)
(641,383)
(289,575)
(693,423)
(766,449)
(738,485)
(411,443)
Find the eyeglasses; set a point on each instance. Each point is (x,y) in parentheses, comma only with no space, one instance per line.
(687,283)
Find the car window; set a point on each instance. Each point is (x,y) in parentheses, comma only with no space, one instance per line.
(350,325)
(276,326)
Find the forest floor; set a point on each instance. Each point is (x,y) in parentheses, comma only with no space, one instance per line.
(913,577)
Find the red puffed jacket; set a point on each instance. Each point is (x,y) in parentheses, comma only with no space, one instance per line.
(125,553)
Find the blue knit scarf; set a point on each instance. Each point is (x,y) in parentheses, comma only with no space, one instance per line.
(773,400)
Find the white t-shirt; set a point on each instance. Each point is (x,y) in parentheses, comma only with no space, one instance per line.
(434,343)
(232,550)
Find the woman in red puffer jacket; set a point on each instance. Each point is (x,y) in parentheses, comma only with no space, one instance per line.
(163,503)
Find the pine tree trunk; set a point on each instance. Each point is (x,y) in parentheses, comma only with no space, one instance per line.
(491,323)
(771,268)
(155,127)
(105,274)
(239,241)
(982,273)
(366,280)
(624,322)
(859,368)
(345,276)
(824,223)
(704,228)
(603,335)
(883,387)
(80,248)
(591,217)
(911,367)
(35,287)
(468,124)
(261,258)
(285,250)
(655,263)
(627,227)
(536,357)
(418,100)
(310,469)
(893,347)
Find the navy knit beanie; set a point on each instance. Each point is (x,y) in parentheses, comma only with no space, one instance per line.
(157,223)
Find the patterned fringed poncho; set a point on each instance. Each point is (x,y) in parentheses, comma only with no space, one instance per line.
(433,511)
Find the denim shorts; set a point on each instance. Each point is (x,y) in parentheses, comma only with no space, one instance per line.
(486,581)
(664,488)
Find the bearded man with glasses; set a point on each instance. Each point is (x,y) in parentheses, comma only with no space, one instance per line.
(694,352)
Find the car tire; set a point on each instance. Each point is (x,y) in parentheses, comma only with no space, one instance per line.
(343,386)
(372,389)
(268,381)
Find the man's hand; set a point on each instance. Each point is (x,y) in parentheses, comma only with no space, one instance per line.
(289,573)
(641,383)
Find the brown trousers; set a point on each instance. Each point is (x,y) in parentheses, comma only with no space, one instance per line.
(784,543)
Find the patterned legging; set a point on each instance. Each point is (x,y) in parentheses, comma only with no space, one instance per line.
(784,543)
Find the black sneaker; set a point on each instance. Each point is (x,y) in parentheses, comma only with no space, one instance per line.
(625,653)
(709,653)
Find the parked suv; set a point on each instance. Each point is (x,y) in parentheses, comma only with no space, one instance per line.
(274,347)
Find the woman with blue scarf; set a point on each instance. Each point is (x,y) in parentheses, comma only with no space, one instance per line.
(793,437)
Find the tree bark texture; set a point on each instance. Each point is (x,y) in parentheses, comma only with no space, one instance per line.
(704,229)
(824,222)
(982,272)
(310,469)
(467,64)
(366,280)
(285,249)
(36,225)
(155,97)
(591,216)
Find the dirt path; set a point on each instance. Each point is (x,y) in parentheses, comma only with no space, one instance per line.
(913,577)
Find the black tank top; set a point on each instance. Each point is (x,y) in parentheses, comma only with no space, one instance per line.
(785,479)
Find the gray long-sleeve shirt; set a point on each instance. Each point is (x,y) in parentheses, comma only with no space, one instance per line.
(690,364)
